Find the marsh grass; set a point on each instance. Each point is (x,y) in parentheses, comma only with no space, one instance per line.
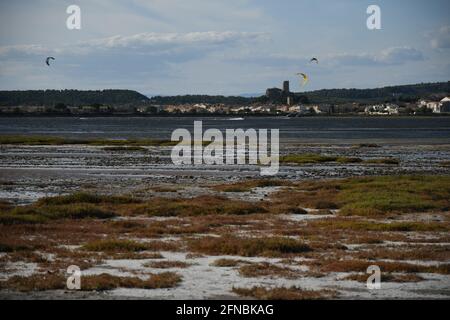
(365,145)
(355,265)
(36,282)
(388,161)
(292,293)
(115,245)
(308,158)
(167,264)
(125,149)
(266,269)
(41,214)
(202,205)
(312,158)
(102,282)
(248,247)
(84,197)
(128,246)
(370,196)
(248,185)
(49,140)
(228,263)
(360,225)
(386,277)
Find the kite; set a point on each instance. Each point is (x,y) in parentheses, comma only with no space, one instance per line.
(47,61)
(314,60)
(305,78)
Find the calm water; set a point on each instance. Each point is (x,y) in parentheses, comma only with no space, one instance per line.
(343,129)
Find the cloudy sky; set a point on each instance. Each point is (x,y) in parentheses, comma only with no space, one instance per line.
(222,47)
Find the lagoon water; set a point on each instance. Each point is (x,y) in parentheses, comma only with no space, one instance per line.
(306,129)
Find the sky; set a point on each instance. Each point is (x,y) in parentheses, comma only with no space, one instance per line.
(227,47)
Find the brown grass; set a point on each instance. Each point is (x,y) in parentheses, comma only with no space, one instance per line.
(203,205)
(227,263)
(37,282)
(292,293)
(386,277)
(265,269)
(104,282)
(363,225)
(362,265)
(115,245)
(167,264)
(229,245)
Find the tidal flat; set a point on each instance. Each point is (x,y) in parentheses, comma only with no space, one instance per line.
(141,228)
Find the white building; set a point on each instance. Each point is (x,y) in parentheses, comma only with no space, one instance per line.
(442,106)
(382,109)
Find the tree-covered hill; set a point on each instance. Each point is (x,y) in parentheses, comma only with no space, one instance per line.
(408,93)
(70,97)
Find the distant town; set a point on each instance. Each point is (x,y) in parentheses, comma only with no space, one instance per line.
(419,99)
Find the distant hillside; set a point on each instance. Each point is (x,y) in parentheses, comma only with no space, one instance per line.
(70,97)
(407,93)
(189,99)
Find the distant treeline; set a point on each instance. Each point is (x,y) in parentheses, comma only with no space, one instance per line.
(51,98)
(406,93)
(192,99)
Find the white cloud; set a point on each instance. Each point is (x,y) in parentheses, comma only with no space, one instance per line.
(389,56)
(441,40)
(155,41)
(164,39)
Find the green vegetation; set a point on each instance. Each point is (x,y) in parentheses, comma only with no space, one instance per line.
(307,158)
(370,196)
(366,145)
(203,205)
(125,149)
(48,140)
(248,247)
(310,158)
(84,197)
(70,97)
(392,161)
(382,195)
(405,93)
(36,214)
(379,226)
